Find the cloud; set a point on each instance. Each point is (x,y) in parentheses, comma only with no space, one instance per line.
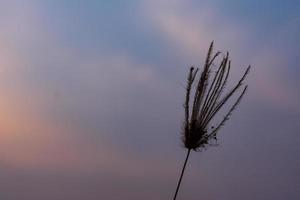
(192,30)
(52,94)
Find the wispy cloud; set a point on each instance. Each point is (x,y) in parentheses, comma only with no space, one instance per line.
(39,100)
(192,31)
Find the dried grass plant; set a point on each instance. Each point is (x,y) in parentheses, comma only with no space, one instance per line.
(208,100)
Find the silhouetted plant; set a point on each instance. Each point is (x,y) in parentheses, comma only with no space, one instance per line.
(208,100)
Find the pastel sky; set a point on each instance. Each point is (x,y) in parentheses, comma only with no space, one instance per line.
(91,96)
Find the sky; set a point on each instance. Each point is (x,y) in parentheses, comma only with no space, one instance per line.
(91,96)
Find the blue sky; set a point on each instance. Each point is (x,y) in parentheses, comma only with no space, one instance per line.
(92,93)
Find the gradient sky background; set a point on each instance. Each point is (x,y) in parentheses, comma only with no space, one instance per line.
(91,96)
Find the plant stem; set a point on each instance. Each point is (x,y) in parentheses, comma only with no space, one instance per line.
(182,172)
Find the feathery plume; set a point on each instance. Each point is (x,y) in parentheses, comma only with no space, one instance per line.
(207,102)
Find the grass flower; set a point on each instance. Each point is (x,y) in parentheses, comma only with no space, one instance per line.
(209,98)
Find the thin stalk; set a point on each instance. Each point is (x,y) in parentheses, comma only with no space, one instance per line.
(182,172)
